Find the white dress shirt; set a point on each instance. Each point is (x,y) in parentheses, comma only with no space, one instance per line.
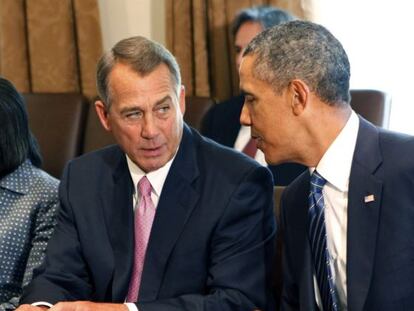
(157,179)
(241,141)
(335,167)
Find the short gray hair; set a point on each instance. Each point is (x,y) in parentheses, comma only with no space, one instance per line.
(306,51)
(142,55)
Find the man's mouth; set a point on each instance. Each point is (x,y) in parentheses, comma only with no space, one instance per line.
(152,151)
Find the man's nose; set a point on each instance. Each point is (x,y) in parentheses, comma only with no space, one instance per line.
(238,59)
(245,116)
(149,127)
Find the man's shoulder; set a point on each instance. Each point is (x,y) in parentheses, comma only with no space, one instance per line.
(228,166)
(390,140)
(221,153)
(397,151)
(396,148)
(105,158)
(382,150)
(219,158)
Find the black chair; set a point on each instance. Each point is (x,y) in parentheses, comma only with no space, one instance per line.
(96,136)
(373,105)
(57,120)
(196,107)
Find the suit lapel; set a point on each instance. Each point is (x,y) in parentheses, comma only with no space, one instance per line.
(116,199)
(364,199)
(307,285)
(307,291)
(177,200)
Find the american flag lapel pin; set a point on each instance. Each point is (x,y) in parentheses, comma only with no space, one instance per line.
(369,198)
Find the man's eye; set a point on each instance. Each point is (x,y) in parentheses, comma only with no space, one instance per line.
(133,115)
(163,110)
(248,99)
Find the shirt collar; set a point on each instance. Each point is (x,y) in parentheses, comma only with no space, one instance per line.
(156,178)
(335,165)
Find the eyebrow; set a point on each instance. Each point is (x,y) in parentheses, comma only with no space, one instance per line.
(162,100)
(135,108)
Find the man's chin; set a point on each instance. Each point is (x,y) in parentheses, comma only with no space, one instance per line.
(272,160)
(153,164)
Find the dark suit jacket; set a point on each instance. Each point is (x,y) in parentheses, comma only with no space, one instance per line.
(222,124)
(380,243)
(211,242)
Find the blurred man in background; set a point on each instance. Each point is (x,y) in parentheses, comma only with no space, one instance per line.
(222,122)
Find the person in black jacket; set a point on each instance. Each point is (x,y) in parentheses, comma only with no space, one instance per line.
(221,123)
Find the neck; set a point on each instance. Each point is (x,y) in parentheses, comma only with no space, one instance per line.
(322,131)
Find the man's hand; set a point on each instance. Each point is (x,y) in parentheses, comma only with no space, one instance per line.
(77,306)
(88,306)
(31,308)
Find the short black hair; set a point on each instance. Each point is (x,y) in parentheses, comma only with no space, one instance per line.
(17,143)
(267,16)
(302,50)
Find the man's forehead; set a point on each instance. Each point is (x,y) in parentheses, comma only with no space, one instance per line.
(246,64)
(246,69)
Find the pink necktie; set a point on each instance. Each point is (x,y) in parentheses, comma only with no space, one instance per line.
(144,216)
(250,149)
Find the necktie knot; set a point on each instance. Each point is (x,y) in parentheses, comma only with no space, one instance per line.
(144,187)
(317,182)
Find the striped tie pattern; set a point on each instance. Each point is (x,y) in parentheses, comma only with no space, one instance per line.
(317,238)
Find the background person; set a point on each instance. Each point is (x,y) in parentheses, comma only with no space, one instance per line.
(347,222)
(202,236)
(222,122)
(28,199)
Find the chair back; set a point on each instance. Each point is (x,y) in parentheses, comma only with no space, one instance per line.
(373,105)
(196,107)
(96,136)
(57,120)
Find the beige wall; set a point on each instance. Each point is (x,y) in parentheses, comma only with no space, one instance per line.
(124,18)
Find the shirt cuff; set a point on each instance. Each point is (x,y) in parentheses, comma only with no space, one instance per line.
(131,306)
(42,304)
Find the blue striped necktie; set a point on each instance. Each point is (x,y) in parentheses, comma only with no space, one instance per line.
(317,239)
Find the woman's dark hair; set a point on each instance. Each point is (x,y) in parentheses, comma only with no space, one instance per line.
(17,143)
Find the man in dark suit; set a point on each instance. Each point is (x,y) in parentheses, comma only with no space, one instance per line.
(201,237)
(222,122)
(347,222)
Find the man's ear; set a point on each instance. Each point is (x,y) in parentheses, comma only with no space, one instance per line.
(181,99)
(102,113)
(300,92)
